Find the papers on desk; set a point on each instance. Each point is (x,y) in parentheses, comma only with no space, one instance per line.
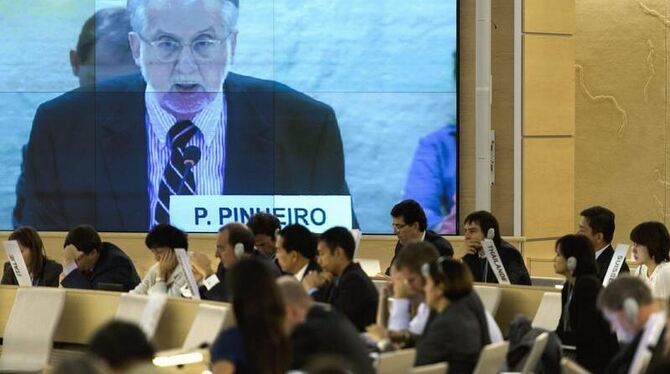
(17,263)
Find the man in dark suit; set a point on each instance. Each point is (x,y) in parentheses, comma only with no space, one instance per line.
(351,292)
(296,251)
(597,224)
(410,224)
(90,263)
(113,155)
(315,331)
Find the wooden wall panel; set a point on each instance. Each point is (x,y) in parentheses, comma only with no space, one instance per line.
(549,16)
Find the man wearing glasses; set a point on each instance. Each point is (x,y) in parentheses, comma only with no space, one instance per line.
(114,157)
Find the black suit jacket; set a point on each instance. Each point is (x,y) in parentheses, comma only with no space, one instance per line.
(327,332)
(219,292)
(311,266)
(48,278)
(583,325)
(354,295)
(86,160)
(113,266)
(604,262)
(511,259)
(443,246)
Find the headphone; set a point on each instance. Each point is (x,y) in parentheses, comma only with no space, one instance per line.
(491,233)
(239,250)
(571,264)
(631,310)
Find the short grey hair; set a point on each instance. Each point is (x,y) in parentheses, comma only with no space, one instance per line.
(138,18)
(614,296)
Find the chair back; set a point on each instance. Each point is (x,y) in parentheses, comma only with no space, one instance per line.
(492,358)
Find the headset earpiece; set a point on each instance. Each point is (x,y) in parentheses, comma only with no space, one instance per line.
(491,233)
(631,309)
(571,264)
(239,250)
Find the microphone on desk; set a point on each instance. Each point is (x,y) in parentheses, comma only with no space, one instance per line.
(191,158)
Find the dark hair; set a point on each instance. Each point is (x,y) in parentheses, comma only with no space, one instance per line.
(653,235)
(239,233)
(413,255)
(485,220)
(455,277)
(264,223)
(164,235)
(298,238)
(411,212)
(84,238)
(259,314)
(111,25)
(121,344)
(28,237)
(600,220)
(581,248)
(339,237)
(624,287)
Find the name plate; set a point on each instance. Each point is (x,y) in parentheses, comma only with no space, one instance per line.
(185,263)
(16,262)
(617,262)
(495,262)
(207,213)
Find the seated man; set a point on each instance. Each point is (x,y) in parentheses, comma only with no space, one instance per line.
(351,292)
(315,331)
(264,226)
(410,224)
(166,276)
(296,251)
(90,263)
(477,225)
(597,224)
(627,304)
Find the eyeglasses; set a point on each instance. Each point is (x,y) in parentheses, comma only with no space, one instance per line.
(399,226)
(204,49)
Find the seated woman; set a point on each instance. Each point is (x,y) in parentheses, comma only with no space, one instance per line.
(165,276)
(651,243)
(257,343)
(458,330)
(581,324)
(43,271)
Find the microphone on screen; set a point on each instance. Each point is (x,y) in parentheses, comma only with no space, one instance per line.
(191,158)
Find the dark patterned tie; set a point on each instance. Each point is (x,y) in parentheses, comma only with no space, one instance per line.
(178,136)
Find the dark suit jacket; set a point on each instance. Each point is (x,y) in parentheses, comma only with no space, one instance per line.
(584,326)
(511,259)
(311,266)
(219,291)
(456,335)
(604,262)
(443,246)
(86,160)
(113,266)
(327,332)
(48,278)
(354,295)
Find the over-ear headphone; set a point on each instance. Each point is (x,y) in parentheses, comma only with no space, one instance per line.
(491,233)
(571,264)
(239,250)
(631,309)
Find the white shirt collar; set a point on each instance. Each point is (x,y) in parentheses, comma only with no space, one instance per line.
(423,235)
(601,250)
(301,273)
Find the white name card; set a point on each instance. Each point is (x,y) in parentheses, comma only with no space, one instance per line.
(495,262)
(185,263)
(617,262)
(18,265)
(206,213)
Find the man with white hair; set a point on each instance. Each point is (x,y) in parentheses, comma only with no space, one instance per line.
(113,157)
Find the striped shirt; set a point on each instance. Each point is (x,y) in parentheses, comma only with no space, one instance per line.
(211,139)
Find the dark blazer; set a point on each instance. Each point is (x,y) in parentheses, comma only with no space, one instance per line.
(113,266)
(48,278)
(582,324)
(604,262)
(443,246)
(354,295)
(511,259)
(86,159)
(456,335)
(311,266)
(219,291)
(327,332)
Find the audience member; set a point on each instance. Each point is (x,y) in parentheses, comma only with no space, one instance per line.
(166,276)
(477,226)
(409,224)
(458,331)
(257,343)
(627,304)
(90,263)
(597,224)
(351,292)
(581,324)
(43,271)
(123,346)
(651,243)
(264,226)
(315,331)
(296,251)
